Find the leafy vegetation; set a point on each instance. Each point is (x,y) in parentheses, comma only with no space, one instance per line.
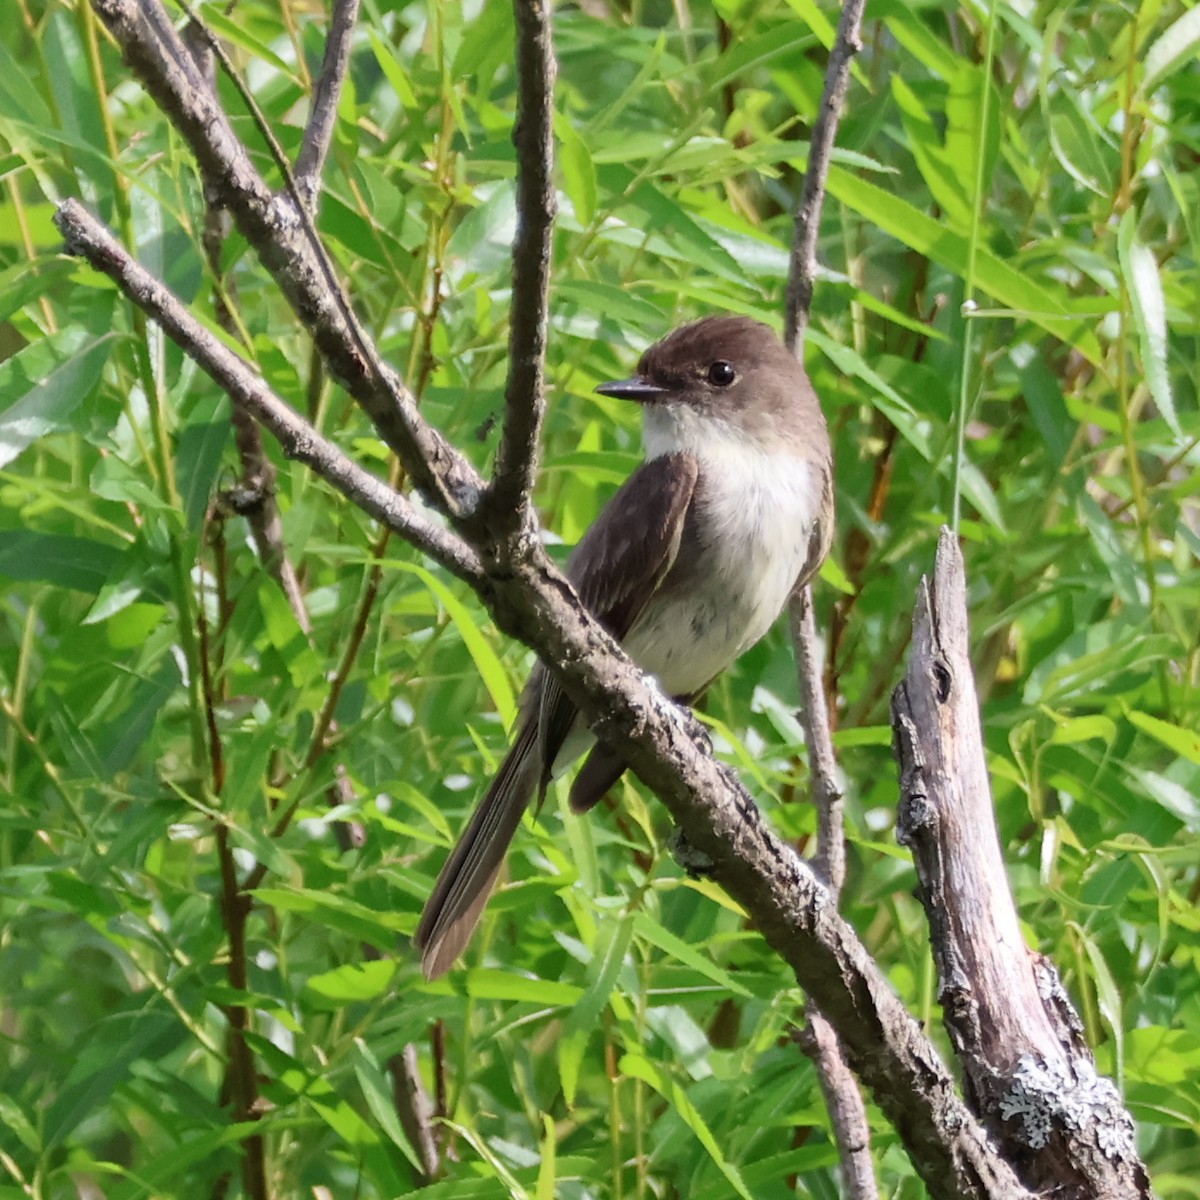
(1011,243)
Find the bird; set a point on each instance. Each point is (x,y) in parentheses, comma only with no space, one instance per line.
(687,567)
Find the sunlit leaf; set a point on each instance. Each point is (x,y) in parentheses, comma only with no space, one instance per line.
(1140,269)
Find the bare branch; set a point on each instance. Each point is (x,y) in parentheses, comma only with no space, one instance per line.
(508,503)
(803,267)
(318,134)
(728,839)
(822,762)
(846,1108)
(283,237)
(1026,1067)
(86,237)
(668,749)
(847,1112)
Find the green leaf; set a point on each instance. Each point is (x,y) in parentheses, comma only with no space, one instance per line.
(352,983)
(490,669)
(945,178)
(482,983)
(1184,742)
(1176,46)
(638,1067)
(607,960)
(70,562)
(1140,269)
(913,228)
(42,386)
(657,935)
(577,169)
(337,912)
(548,1167)
(395,74)
(238,33)
(198,454)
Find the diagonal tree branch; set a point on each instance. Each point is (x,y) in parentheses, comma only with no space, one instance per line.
(508,502)
(86,237)
(284,239)
(318,133)
(667,748)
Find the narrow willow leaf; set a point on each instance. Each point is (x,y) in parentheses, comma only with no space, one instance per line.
(238,33)
(352,982)
(914,427)
(911,227)
(657,935)
(1108,994)
(1184,742)
(490,668)
(1140,269)
(612,946)
(616,303)
(641,1068)
(1181,802)
(486,984)
(1176,45)
(336,912)
(944,177)
(69,562)
(548,1168)
(577,169)
(1083,729)
(19,97)
(395,74)
(46,382)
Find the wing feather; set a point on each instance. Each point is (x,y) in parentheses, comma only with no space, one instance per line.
(620,563)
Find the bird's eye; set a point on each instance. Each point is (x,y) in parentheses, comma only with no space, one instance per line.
(721,374)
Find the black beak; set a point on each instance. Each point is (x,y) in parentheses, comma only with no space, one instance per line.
(638,388)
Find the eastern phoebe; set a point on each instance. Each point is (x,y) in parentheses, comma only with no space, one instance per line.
(687,566)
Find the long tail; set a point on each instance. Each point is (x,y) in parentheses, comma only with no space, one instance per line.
(465,883)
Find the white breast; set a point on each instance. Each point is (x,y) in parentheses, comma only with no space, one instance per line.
(759,505)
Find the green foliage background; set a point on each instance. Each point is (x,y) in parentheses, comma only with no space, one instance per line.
(617,1030)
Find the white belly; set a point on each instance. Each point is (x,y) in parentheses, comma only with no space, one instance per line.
(758,514)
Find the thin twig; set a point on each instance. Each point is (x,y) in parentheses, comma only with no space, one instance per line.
(822,762)
(819,1041)
(240,1086)
(86,237)
(318,133)
(509,498)
(803,267)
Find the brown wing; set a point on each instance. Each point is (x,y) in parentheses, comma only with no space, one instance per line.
(619,564)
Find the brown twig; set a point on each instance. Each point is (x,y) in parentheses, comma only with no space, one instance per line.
(802,269)
(508,505)
(819,1041)
(822,761)
(241,1077)
(318,133)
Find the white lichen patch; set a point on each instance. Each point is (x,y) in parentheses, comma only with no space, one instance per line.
(1046,1096)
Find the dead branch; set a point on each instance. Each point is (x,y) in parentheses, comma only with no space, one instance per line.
(1027,1071)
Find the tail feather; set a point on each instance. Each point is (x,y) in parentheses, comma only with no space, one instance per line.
(465,882)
